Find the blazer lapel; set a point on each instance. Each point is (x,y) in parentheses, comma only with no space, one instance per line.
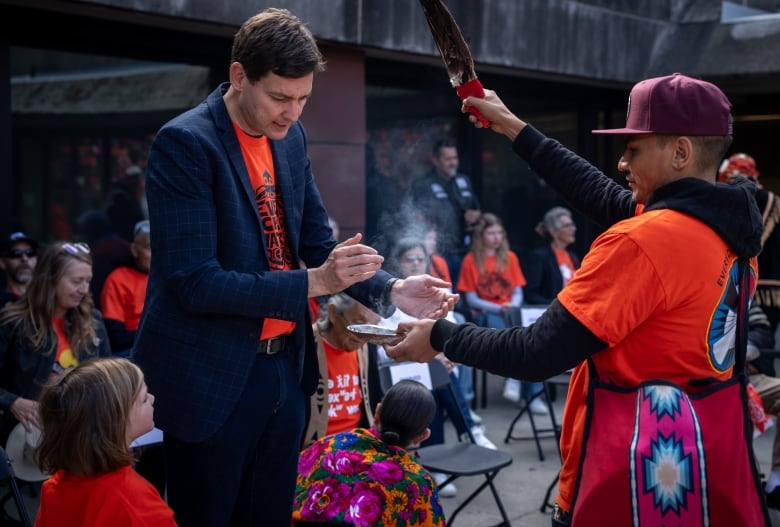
(233,149)
(285,185)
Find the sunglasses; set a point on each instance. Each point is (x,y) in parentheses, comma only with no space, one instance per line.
(76,248)
(18,253)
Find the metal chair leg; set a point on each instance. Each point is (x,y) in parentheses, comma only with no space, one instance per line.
(7,473)
(536,432)
(487,483)
(546,503)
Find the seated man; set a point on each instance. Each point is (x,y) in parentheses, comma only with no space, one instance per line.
(124,292)
(18,256)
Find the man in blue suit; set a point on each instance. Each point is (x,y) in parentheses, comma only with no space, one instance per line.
(225,338)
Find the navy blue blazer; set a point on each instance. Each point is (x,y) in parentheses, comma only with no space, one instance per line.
(209,284)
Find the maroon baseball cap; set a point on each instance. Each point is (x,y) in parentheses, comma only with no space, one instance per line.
(675,105)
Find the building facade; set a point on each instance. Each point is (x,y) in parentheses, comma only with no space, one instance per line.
(84,86)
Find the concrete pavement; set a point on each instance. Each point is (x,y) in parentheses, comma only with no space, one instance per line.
(522,485)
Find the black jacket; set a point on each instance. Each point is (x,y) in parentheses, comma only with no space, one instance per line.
(543,276)
(24,369)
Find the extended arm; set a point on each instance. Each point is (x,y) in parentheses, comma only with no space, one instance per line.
(586,188)
(522,353)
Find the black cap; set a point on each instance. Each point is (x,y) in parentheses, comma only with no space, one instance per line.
(12,239)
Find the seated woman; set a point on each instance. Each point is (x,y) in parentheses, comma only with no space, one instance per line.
(52,327)
(410,257)
(492,282)
(367,476)
(90,415)
(547,269)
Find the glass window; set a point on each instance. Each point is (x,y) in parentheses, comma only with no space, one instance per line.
(82,129)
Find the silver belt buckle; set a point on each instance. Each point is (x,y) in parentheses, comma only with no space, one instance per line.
(269,346)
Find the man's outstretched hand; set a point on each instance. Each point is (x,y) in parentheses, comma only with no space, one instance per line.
(423,296)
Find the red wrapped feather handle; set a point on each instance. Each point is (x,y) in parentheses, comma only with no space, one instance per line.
(473,88)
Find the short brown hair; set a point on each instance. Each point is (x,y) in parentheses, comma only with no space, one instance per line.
(275,40)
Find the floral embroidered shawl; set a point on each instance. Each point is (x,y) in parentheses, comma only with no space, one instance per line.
(353,478)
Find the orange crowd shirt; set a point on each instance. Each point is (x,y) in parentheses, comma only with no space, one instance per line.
(654,288)
(492,284)
(345,398)
(565,264)
(64,358)
(439,268)
(123,295)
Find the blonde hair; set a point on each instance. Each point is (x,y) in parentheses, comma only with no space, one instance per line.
(34,311)
(488,219)
(85,413)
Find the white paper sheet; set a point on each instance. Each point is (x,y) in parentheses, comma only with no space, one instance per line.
(411,370)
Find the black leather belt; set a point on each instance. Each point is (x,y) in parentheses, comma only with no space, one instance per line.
(272,346)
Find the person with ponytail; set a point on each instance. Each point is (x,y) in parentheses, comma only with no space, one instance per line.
(369,476)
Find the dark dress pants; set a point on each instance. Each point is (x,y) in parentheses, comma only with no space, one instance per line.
(245,475)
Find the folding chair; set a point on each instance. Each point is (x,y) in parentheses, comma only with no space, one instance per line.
(528,315)
(453,459)
(560,380)
(7,474)
(537,433)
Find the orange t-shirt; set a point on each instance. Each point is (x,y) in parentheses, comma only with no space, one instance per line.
(653,287)
(123,295)
(439,268)
(345,399)
(492,285)
(121,498)
(565,264)
(260,165)
(64,358)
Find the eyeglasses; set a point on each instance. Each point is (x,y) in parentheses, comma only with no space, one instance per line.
(567,226)
(76,248)
(413,259)
(142,227)
(18,253)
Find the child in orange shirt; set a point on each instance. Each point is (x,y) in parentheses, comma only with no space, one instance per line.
(90,415)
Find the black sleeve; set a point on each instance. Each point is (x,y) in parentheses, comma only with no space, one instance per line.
(555,343)
(374,293)
(120,337)
(104,348)
(587,189)
(374,383)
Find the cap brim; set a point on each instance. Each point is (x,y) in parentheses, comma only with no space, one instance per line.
(24,467)
(7,245)
(620,131)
